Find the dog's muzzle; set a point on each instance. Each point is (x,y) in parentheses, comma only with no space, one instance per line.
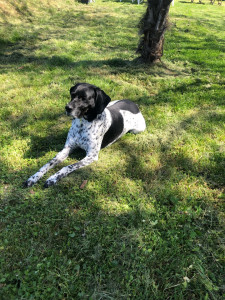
(68,109)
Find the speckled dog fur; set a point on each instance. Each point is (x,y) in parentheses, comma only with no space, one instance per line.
(96,124)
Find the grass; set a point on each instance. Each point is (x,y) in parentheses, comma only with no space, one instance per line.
(149,223)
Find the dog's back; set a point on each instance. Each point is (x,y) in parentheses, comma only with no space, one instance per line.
(125,117)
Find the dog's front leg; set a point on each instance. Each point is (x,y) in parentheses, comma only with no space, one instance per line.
(61,156)
(91,157)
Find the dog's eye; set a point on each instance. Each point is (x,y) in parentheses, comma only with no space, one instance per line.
(85,99)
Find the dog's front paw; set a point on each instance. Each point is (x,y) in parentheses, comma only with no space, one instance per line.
(49,182)
(28,183)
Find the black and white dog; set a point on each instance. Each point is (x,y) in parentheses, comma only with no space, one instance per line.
(96,124)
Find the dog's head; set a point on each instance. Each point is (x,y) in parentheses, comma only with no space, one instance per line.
(87,101)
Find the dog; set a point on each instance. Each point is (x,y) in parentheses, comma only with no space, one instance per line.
(96,124)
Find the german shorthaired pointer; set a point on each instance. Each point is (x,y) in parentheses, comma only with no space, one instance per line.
(96,124)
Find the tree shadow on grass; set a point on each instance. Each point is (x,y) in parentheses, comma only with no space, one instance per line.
(186,2)
(134,2)
(55,233)
(149,245)
(183,94)
(39,146)
(25,63)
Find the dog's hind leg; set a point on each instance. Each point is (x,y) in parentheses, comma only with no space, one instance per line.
(138,125)
(61,156)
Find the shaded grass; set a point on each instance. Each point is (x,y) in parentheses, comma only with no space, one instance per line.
(149,224)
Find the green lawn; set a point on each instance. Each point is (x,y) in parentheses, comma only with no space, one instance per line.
(149,223)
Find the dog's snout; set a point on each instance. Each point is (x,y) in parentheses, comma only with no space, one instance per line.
(68,108)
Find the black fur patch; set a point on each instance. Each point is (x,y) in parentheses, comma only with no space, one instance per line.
(125,105)
(117,126)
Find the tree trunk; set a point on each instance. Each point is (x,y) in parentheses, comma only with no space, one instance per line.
(152,28)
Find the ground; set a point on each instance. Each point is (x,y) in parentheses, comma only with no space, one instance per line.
(148,220)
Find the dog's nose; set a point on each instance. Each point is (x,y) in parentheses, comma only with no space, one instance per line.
(68,108)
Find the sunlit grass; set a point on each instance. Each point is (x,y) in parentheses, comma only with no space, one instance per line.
(149,223)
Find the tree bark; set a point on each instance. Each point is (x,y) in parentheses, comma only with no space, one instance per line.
(152,28)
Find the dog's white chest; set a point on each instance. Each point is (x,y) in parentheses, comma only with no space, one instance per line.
(85,134)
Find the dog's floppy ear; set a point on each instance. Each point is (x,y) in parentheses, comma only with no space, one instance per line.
(101,101)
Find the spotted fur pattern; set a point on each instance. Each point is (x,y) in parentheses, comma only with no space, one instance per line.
(91,136)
